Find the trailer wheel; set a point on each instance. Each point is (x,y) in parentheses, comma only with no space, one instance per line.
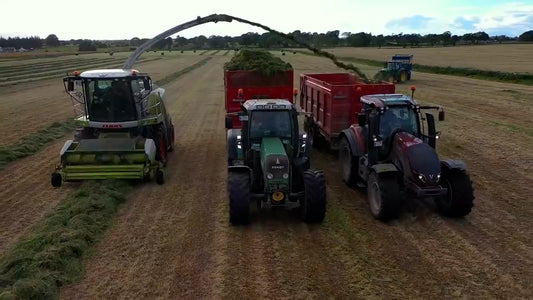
(460,198)
(313,206)
(347,162)
(56,180)
(384,196)
(239,197)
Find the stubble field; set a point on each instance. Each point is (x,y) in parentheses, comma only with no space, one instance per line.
(175,241)
(501,57)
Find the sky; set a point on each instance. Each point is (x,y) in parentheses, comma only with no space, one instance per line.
(118,19)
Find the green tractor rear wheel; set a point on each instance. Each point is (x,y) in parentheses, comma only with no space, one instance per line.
(403,76)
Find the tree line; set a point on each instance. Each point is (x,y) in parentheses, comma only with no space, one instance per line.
(269,40)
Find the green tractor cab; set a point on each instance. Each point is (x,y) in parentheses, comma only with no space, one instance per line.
(268,161)
(124,131)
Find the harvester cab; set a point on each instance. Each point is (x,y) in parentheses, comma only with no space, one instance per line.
(392,151)
(268,161)
(123,130)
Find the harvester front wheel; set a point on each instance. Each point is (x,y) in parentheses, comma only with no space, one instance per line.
(313,206)
(347,162)
(460,198)
(384,196)
(160,177)
(239,197)
(56,180)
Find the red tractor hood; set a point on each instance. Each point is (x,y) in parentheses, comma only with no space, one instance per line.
(418,156)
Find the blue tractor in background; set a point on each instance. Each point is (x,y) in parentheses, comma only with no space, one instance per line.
(397,70)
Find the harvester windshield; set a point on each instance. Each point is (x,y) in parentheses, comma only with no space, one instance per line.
(270,124)
(110,101)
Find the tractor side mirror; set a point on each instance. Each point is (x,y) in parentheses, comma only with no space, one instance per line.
(361,119)
(229,122)
(147,84)
(70,85)
(441,115)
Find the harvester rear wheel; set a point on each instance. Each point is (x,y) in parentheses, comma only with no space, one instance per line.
(460,198)
(347,162)
(313,206)
(384,196)
(56,180)
(171,141)
(161,145)
(239,197)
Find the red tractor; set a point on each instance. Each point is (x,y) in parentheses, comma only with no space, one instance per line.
(389,152)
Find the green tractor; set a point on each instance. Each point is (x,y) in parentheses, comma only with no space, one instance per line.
(268,161)
(124,130)
(398,70)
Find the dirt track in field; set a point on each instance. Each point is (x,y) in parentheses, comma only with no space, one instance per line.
(174,241)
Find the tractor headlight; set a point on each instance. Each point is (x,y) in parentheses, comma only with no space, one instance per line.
(422,178)
(285,175)
(378,141)
(438,177)
(270,176)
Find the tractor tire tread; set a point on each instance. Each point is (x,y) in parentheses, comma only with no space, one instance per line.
(313,207)
(390,194)
(462,194)
(239,197)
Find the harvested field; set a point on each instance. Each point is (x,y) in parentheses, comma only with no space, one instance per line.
(175,241)
(504,57)
(24,111)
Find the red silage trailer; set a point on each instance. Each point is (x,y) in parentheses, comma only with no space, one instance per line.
(334,102)
(245,85)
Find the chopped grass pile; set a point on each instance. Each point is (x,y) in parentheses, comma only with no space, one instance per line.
(34,142)
(52,256)
(257,60)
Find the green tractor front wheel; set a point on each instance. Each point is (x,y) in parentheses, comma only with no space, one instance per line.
(239,197)
(313,206)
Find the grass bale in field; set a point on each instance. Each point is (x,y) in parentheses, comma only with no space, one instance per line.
(257,60)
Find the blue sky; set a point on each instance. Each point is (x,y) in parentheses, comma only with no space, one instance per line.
(117,19)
